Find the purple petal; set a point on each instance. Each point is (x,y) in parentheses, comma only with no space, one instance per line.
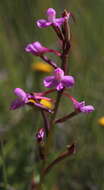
(17,104)
(87,109)
(39,48)
(68,81)
(43,23)
(49,82)
(51,13)
(59,21)
(34,47)
(59,74)
(37,45)
(30,48)
(59,86)
(78,105)
(21,94)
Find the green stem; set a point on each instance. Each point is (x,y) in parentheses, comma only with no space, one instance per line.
(70,150)
(66,117)
(4,166)
(59,94)
(49,138)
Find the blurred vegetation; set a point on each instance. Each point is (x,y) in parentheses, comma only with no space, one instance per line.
(84,170)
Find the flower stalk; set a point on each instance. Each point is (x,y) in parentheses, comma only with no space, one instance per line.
(58,82)
(70,150)
(50,62)
(68,116)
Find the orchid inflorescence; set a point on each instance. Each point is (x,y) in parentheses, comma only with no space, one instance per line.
(59,82)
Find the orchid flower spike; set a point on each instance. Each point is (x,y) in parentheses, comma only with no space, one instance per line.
(37,49)
(81,107)
(51,19)
(58,80)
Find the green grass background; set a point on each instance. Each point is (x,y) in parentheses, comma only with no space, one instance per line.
(84,170)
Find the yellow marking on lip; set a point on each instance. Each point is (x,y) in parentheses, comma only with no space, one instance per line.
(31,101)
(47,103)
